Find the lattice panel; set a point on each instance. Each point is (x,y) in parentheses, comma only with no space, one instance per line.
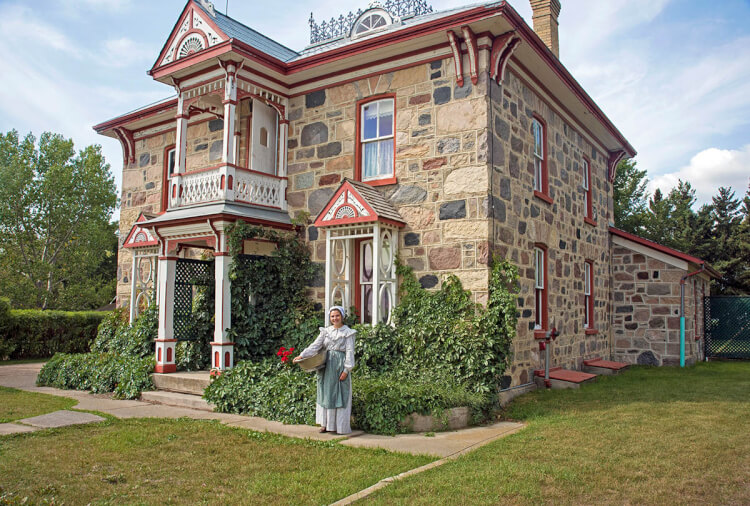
(727,324)
(190,276)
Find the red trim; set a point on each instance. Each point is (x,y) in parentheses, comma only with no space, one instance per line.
(455,44)
(589,308)
(545,157)
(540,333)
(543,197)
(166,177)
(188,34)
(132,232)
(165,368)
(471,45)
(165,340)
(590,332)
(213,343)
(243,169)
(358,140)
(589,211)
(545,293)
(589,221)
(223,216)
(612,162)
(663,249)
(187,13)
(382,182)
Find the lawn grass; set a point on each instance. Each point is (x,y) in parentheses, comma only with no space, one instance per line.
(649,436)
(17,404)
(185,462)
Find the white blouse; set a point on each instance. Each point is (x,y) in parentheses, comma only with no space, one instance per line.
(333,339)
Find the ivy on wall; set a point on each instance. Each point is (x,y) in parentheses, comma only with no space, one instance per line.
(269,305)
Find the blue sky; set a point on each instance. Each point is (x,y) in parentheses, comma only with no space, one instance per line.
(673,75)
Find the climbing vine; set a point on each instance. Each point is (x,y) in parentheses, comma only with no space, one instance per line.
(269,303)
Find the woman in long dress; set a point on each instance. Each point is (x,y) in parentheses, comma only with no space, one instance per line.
(333,409)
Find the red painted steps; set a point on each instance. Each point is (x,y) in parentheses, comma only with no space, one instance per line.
(603,367)
(562,378)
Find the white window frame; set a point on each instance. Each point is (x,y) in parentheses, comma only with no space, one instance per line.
(171,161)
(380,140)
(539,287)
(537,129)
(586,185)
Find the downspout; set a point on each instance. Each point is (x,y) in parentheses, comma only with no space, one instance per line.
(682,312)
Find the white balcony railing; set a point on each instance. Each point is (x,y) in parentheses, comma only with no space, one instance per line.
(256,188)
(229,183)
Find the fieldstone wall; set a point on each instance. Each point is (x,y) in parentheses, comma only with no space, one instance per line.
(646,318)
(441,167)
(519,220)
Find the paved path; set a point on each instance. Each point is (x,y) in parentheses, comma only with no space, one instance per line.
(442,444)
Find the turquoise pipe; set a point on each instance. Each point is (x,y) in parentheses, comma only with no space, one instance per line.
(682,341)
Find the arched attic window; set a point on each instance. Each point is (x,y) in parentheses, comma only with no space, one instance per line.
(370,21)
(192,44)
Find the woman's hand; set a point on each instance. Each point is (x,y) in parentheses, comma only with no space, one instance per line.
(343,376)
(296,359)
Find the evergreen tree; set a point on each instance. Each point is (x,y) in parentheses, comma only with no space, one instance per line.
(725,254)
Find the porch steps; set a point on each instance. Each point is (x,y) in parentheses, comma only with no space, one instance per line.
(177,399)
(183,382)
(180,389)
(562,378)
(603,367)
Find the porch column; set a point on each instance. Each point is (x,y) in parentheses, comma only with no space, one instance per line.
(230,139)
(132,289)
(175,189)
(376,274)
(283,133)
(165,341)
(329,275)
(222,349)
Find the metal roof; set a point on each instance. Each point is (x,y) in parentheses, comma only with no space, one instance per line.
(236,30)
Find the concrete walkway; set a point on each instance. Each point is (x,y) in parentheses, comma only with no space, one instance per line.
(442,444)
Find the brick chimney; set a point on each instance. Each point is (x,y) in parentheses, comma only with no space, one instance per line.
(545,13)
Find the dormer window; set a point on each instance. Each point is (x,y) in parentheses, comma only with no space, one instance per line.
(371,21)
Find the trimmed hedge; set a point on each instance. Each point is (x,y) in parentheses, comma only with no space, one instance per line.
(32,333)
(6,347)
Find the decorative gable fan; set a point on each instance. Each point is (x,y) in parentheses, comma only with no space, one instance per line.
(190,45)
(370,21)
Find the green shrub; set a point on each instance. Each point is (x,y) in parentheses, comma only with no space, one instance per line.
(121,361)
(126,376)
(40,334)
(380,403)
(6,345)
(269,389)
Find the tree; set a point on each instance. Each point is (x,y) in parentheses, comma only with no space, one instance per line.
(630,198)
(55,230)
(725,252)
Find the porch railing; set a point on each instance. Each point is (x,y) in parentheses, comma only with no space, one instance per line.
(228,183)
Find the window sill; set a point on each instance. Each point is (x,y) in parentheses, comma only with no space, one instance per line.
(543,196)
(590,332)
(588,220)
(382,182)
(540,333)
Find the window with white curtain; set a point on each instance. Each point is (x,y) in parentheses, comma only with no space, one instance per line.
(376,138)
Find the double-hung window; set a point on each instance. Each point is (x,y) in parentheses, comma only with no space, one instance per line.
(169,169)
(376,127)
(540,162)
(588,296)
(540,288)
(588,209)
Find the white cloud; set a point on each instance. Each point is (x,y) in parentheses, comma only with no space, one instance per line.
(124,51)
(19,27)
(89,5)
(708,170)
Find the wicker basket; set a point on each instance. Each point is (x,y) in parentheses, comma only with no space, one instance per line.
(314,363)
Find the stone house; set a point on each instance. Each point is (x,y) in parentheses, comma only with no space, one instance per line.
(440,137)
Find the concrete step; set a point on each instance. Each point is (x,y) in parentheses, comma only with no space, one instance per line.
(177,399)
(603,367)
(562,378)
(185,382)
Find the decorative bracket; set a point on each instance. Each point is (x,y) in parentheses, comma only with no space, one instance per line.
(455,43)
(502,47)
(125,137)
(614,159)
(471,45)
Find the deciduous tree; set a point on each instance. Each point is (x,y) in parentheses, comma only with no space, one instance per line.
(55,230)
